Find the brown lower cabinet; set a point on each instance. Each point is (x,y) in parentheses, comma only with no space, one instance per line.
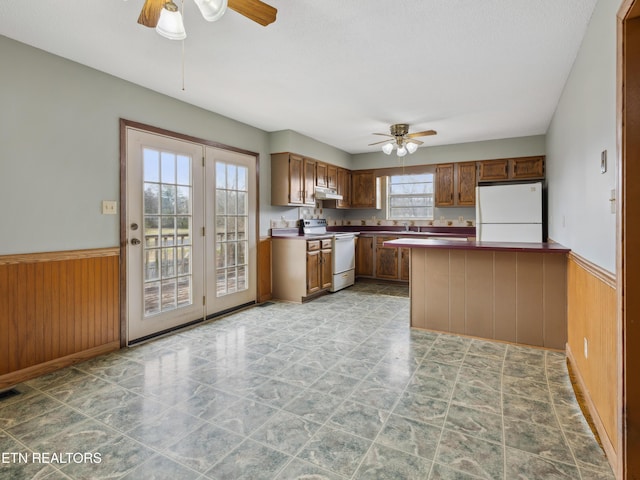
(318,265)
(364,257)
(300,268)
(386,259)
(374,260)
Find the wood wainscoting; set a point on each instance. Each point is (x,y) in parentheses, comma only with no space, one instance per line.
(591,313)
(56,309)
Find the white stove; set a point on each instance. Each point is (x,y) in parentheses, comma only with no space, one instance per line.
(343,251)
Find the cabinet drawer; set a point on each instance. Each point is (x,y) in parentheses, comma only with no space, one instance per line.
(313,245)
(326,243)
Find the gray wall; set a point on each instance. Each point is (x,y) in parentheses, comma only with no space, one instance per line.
(59,148)
(584,125)
(461,152)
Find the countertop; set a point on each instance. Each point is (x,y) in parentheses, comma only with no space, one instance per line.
(419,232)
(477,245)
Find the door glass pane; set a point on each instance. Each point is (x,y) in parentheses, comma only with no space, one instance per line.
(151,198)
(168,231)
(231,224)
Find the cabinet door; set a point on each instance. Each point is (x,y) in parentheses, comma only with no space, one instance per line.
(325,269)
(528,167)
(344,188)
(364,257)
(386,259)
(296,180)
(444,185)
(321,174)
(332,176)
(313,271)
(467,184)
(363,192)
(404,264)
(309,181)
(490,170)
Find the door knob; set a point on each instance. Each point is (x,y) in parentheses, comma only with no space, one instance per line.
(135,241)
(134,226)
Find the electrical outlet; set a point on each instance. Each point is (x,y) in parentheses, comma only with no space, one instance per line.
(460,219)
(109,207)
(586,348)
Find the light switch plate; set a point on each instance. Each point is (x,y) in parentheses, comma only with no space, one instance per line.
(109,207)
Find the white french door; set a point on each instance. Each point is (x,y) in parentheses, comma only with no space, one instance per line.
(190,224)
(231,249)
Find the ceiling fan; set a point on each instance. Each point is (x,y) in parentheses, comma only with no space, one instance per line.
(401,139)
(163,15)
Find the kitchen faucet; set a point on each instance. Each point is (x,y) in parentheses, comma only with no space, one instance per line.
(406,226)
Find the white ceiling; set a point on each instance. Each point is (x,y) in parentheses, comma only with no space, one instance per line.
(336,70)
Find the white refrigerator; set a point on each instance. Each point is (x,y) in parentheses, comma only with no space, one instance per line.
(509,212)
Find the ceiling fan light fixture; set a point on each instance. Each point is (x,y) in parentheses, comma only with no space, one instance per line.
(170,24)
(412,147)
(212,10)
(387,148)
(402,151)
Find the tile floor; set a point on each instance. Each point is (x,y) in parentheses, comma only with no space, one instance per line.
(339,388)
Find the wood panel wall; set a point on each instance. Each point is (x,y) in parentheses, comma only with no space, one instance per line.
(56,309)
(592,315)
(508,296)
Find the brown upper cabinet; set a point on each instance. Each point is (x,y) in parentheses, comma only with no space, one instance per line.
(364,189)
(341,181)
(321,174)
(493,170)
(326,175)
(309,181)
(511,169)
(343,185)
(455,184)
(444,185)
(332,176)
(526,167)
(293,179)
(466,184)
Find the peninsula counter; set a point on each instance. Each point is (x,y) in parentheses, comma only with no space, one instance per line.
(514,292)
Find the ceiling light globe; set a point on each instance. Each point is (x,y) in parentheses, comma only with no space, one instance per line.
(387,148)
(412,147)
(212,10)
(402,151)
(170,24)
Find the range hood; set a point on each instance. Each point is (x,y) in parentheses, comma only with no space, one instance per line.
(327,194)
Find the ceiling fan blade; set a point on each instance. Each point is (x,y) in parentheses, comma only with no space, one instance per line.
(383,134)
(413,140)
(383,141)
(150,13)
(254,10)
(422,134)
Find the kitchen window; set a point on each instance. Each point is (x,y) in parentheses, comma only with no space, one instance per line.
(410,197)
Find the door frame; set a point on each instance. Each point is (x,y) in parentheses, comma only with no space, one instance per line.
(627,233)
(124,124)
